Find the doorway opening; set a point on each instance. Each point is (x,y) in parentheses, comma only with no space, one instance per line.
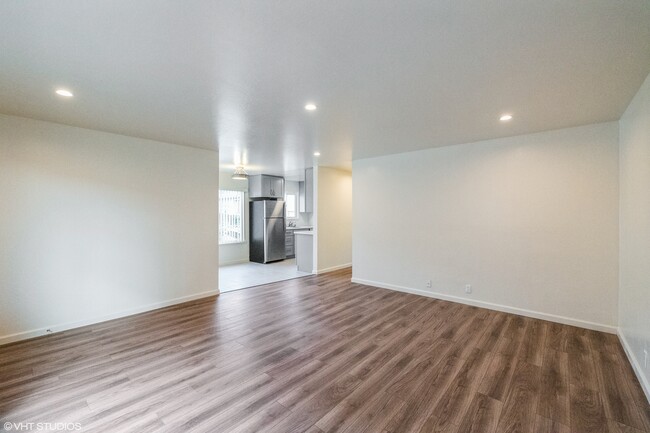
(236,270)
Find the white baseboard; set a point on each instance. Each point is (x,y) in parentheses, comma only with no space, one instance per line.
(25,335)
(636,365)
(491,306)
(332,268)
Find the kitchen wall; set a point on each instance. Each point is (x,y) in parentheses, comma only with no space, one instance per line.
(96,226)
(530,222)
(332,219)
(634,296)
(230,254)
(304,218)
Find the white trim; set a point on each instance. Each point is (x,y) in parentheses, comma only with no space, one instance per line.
(5,339)
(498,307)
(234,262)
(636,365)
(331,268)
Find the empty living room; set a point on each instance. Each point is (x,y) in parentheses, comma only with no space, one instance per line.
(360,216)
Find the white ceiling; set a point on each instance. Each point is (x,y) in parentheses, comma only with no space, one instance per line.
(387,76)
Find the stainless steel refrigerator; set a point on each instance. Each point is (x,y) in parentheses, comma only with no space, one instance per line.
(267,232)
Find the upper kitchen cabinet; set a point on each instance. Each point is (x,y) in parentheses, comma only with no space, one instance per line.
(265,186)
(276,187)
(307,192)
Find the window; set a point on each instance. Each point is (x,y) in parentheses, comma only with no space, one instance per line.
(290,204)
(231,217)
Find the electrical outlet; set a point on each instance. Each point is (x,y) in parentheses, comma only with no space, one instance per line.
(429,283)
(468,288)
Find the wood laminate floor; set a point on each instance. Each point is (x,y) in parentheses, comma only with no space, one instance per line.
(320,354)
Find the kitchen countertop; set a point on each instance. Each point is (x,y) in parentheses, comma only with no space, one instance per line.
(300,228)
(304,232)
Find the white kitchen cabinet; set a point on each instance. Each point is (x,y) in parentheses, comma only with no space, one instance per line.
(304,250)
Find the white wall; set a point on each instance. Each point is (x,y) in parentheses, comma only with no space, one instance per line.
(531,222)
(235,253)
(332,219)
(634,296)
(304,218)
(96,225)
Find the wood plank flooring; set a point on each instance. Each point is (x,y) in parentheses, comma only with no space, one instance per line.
(320,354)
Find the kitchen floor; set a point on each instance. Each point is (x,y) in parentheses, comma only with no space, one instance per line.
(240,276)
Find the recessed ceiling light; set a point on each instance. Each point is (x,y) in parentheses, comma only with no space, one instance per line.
(505,117)
(310,107)
(64,92)
(316,153)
